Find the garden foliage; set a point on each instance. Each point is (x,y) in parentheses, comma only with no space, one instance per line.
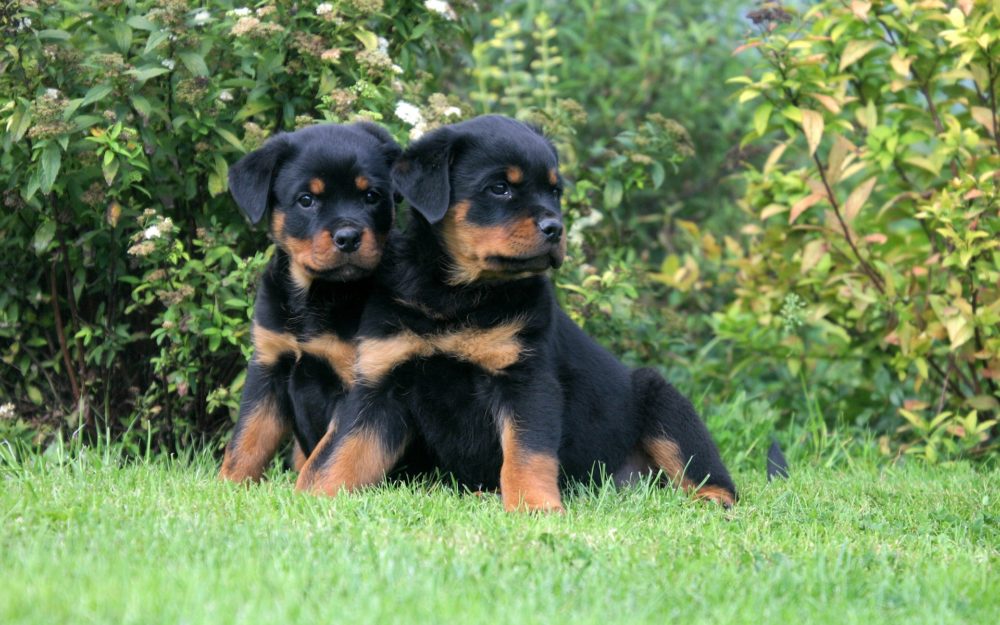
(871,262)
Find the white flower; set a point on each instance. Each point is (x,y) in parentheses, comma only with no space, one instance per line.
(452,111)
(409,113)
(441,8)
(168,63)
(52,93)
(201,17)
(7,411)
(240,12)
(397,69)
(152,232)
(383,45)
(324,8)
(225,95)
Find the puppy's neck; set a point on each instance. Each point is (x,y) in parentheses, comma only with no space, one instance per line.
(420,273)
(304,290)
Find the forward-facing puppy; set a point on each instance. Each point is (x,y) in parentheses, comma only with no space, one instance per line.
(328,192)
(463,345)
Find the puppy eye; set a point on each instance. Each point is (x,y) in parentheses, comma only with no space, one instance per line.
(305,200)
(372,197)
(500,188)
(556,191)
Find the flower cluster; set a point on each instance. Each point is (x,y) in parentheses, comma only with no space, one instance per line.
(441,8)
(46,111)
(253,28)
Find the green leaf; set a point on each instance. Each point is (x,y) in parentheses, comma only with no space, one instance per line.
(658,174)
(252,108)
(155,39)
(35,395)
(367,38)
(109,169)
(51,161)
(123,37)
(761,116)
(613,192)
(43,236)
(60,35)
(145,73)
(139,22)
(194,63)
(95,93)
(231,139)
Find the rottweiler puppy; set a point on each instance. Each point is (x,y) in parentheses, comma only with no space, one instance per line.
(464,349)
(328,192)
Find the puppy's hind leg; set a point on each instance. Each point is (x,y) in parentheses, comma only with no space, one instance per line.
(677,441)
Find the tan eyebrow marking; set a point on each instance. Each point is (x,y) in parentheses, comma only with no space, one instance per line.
(317,186)
(514,174)
(362,183)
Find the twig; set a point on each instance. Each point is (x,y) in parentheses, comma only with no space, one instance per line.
(60,332)
(868,269)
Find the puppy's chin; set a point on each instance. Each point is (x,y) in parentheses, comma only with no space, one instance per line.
(344,273)
(513,268)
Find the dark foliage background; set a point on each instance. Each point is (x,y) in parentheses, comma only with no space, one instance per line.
(691,135)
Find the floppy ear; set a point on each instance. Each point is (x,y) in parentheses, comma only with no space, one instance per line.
(390,149)
(251,177)
(421,174)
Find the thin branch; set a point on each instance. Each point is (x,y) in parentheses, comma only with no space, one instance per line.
(61,333)
(867,268)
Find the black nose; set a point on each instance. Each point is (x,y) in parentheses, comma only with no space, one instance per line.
(347,239)
(551,228)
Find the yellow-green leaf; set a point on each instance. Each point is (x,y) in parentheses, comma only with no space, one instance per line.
(812,125)
(854,51)
(761,116)
(857,199)
(803,205)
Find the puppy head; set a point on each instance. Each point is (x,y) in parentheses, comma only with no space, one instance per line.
(328,192)
(490,188)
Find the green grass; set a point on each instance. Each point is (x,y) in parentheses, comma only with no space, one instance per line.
(92,540)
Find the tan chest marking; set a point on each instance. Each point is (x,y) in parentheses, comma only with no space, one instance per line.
(339,354)
(270,346)
(492,349)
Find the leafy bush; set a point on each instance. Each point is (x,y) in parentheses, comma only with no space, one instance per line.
(871,266)
(129,271)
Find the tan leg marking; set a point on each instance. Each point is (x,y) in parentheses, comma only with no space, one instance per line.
(361,460)
(339,354)
(666,454)
(253,446)
(529,481)
(298,457)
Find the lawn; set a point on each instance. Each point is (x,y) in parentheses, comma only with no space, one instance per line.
(90,539)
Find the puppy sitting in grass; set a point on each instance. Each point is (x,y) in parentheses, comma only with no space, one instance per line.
(463,347)
(328,194)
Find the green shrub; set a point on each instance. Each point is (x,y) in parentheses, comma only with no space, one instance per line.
(130,273)
(870,265)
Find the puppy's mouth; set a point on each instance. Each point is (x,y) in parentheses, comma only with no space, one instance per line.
(346,272)
(515,265)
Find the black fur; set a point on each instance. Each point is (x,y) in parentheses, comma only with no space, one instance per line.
(303,296)
(565,397)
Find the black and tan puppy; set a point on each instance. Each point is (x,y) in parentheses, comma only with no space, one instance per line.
(328,192)
(464,348)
